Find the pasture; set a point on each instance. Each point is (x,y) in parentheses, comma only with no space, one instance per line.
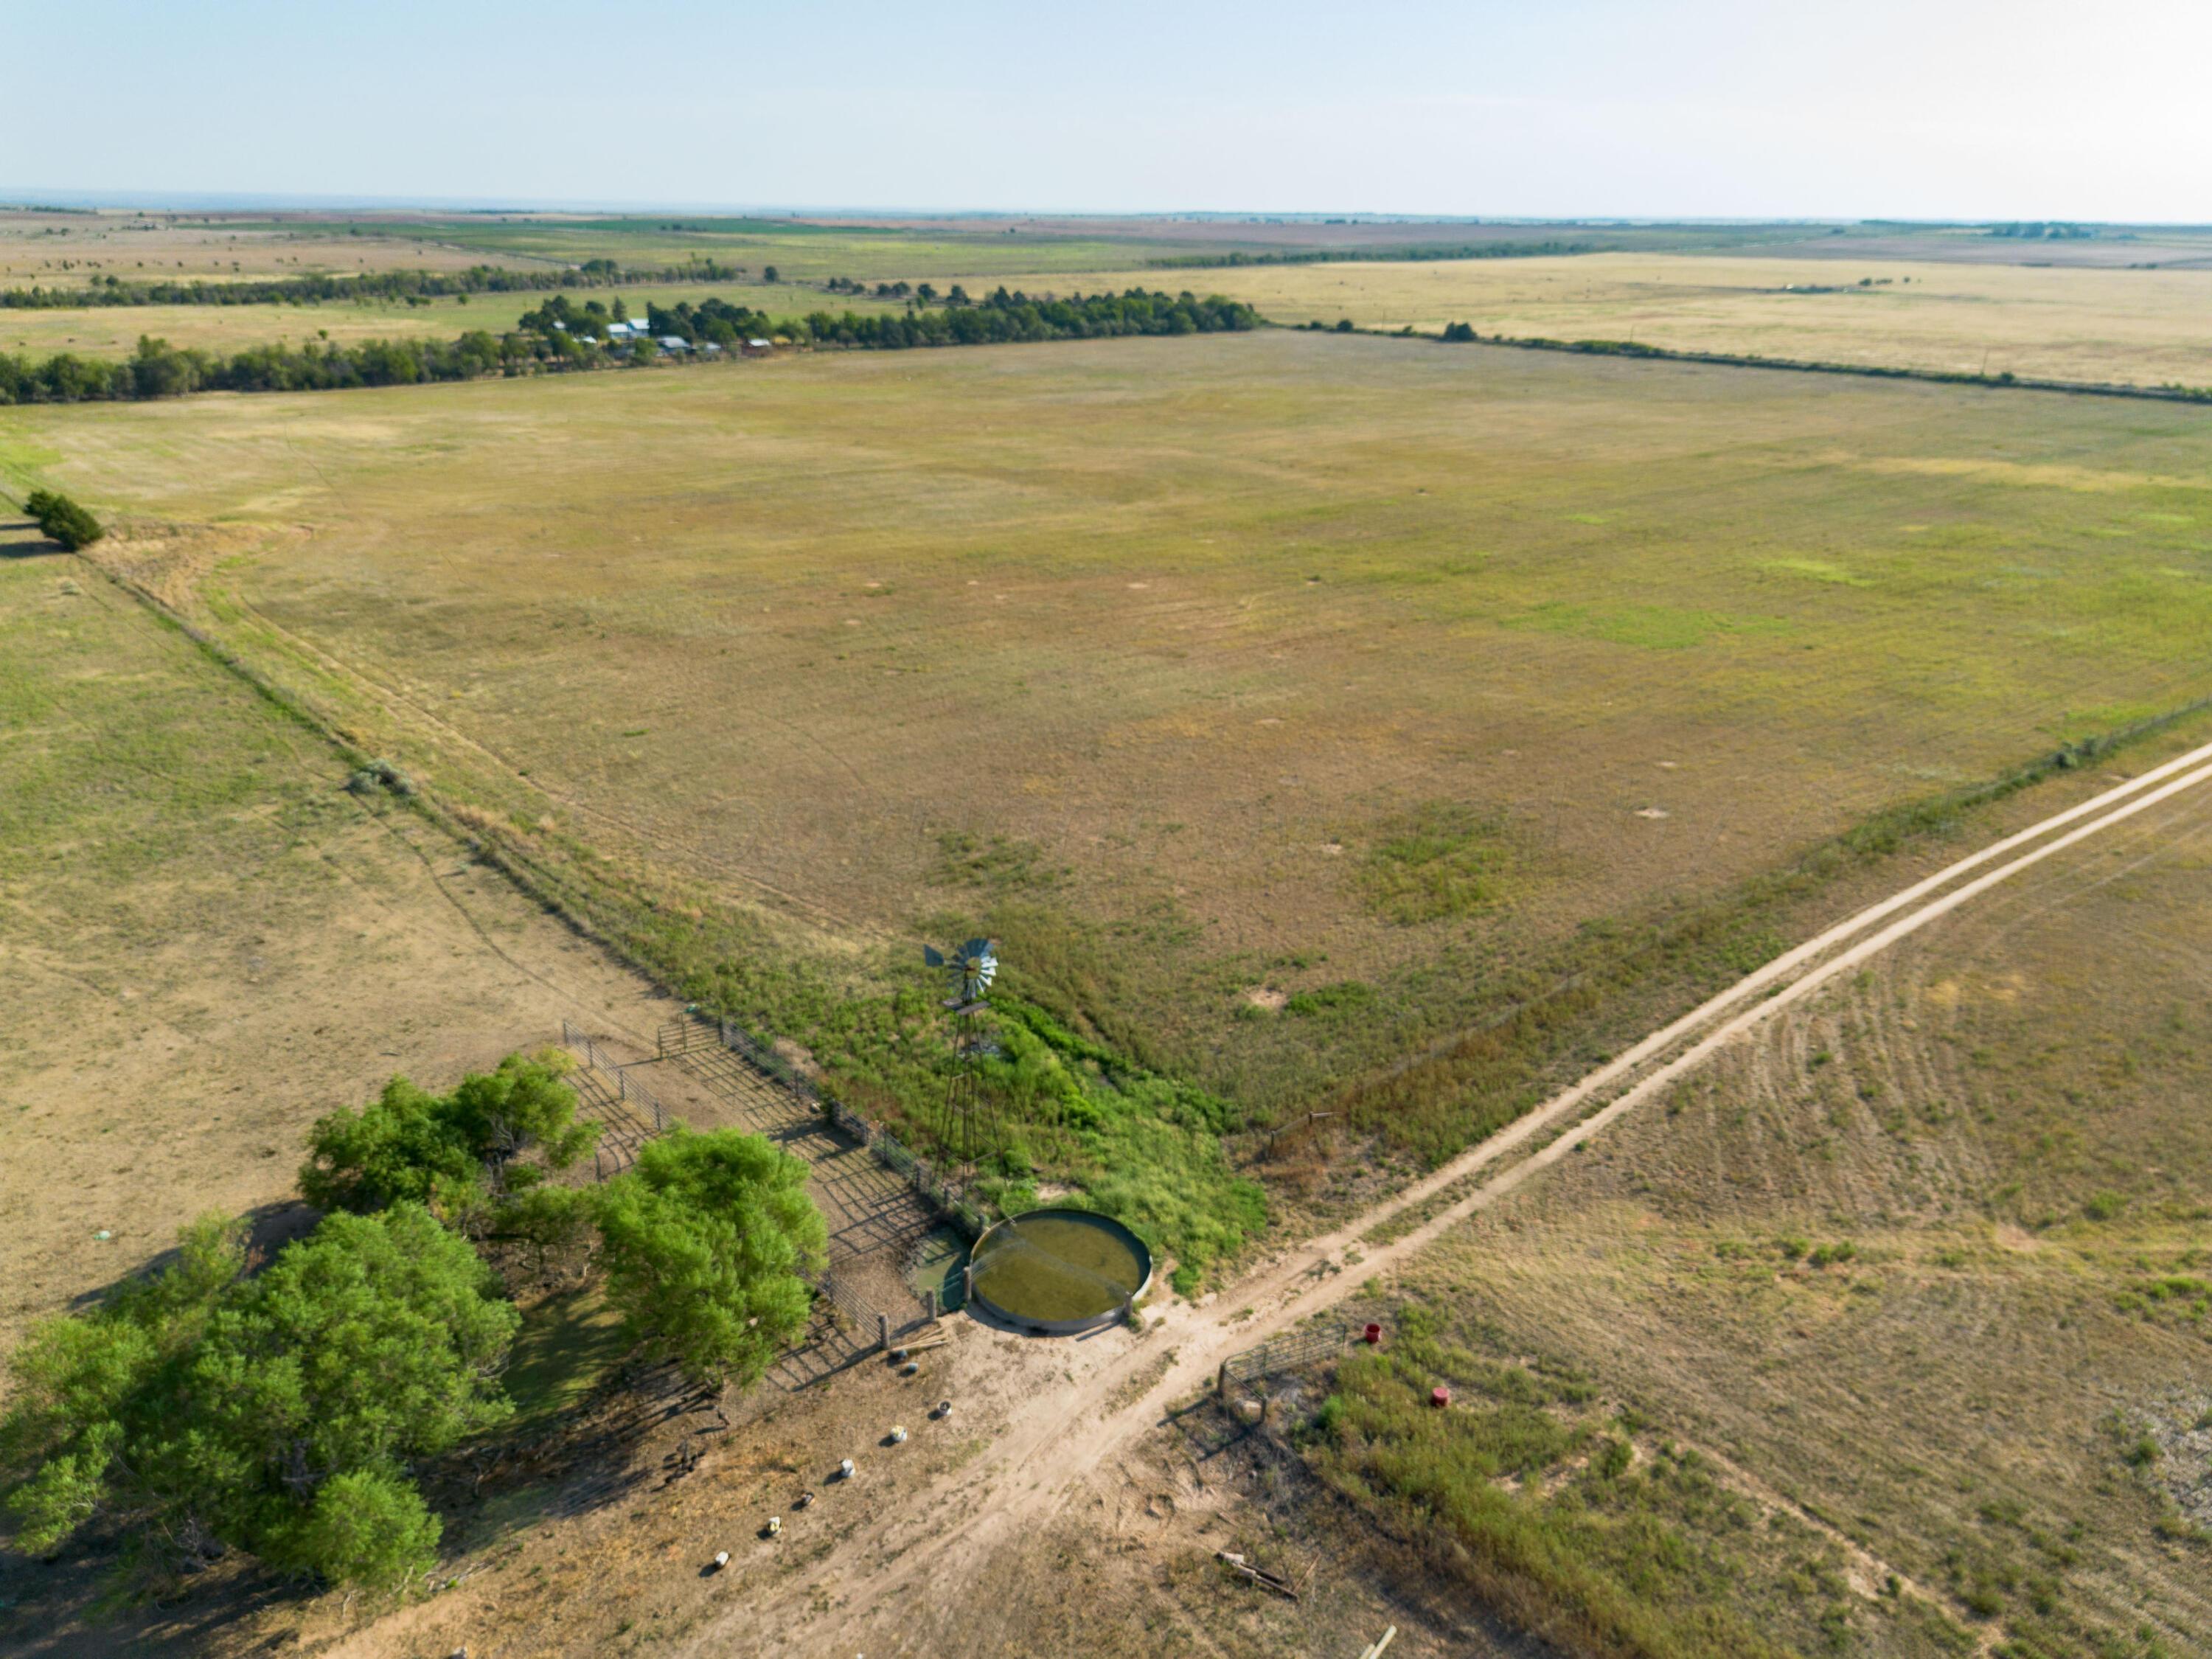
(2147,327)
(207,943)
(1286,703)
(68,249)
(1922,1265)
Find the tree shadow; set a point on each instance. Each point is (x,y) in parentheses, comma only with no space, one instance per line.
(68,1607)
(268,1229)
(21,538)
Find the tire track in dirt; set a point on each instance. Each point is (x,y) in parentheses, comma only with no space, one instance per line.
(1057,1444)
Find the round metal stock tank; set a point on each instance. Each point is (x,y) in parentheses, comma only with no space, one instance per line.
(1059,1272)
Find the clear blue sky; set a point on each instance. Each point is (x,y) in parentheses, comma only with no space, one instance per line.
(1921,108)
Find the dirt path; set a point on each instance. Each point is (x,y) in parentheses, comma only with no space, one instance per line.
(1055,1443)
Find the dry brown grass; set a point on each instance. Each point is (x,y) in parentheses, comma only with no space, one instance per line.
(69,250)
(2147,327)
(207,943)
(2002,1119)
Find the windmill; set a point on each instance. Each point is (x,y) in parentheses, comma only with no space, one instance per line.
(970,968)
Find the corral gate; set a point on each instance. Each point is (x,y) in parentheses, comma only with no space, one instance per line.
(1324,1341)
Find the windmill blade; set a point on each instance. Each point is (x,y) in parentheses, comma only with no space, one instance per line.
(932,957)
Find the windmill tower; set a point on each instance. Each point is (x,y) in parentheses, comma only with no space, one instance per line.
(971,969)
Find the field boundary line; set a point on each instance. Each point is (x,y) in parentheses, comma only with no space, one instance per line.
(2025,776)
(1635,350)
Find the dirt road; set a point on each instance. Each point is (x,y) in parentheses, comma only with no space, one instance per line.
(1060,1439)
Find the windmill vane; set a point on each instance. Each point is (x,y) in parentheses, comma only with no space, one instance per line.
(970,967)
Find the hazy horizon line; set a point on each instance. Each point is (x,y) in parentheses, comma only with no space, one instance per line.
(30,198)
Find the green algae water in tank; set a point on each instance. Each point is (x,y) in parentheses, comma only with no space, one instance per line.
(1060,1271)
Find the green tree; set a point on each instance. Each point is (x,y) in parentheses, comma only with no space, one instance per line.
(704,1240)
(197,1409)
(768,274)
(377,1338)
(62,520)
(465,1155)
(85,1386)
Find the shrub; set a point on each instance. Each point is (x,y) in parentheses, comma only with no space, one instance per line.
(1439,861)
(61,519)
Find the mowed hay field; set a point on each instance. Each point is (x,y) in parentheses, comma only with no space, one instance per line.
(1284,702)
(1922,1261)
(2142,327)
(207,943)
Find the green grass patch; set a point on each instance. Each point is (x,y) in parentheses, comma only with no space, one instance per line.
(567,1345)
(1441,860)
(1544,1515)
(1646,627)
(1818,570)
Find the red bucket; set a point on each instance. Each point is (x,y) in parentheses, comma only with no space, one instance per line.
(1373,1335)
(1440,1395)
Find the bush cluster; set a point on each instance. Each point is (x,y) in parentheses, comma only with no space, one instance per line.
(62,520)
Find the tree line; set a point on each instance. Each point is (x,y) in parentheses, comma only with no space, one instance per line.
(159,369)
(1002,317)
(284,1408)
(366,285)
(1415,253)
(562,335)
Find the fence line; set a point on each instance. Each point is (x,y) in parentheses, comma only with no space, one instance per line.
(627,1089)
(847,1300)
(1316,1342)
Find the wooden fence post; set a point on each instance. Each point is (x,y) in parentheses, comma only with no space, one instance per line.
(883,1330)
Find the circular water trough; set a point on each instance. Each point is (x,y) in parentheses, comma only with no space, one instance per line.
(1059,1272)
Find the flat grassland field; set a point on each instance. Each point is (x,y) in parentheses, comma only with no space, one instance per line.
(208,943)
(1306,687)
(69,250)
(2147,327)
